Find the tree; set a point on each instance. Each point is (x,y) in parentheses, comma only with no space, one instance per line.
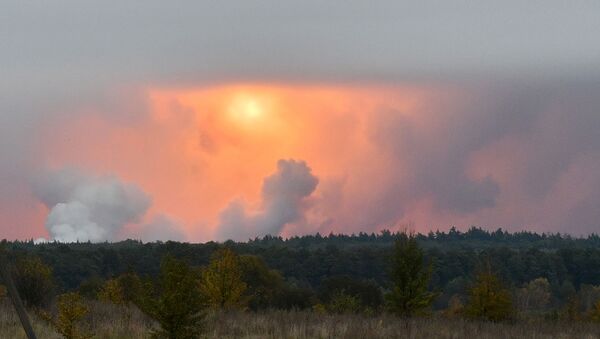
(410,276)
(71,311)
(489,299)
(124,290)
(112,292)
(263,284)
(222,282)
(34,281)
(177,304)
(534,296)
(131,286)
(455,307)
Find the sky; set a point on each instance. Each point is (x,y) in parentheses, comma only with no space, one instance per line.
(197,121)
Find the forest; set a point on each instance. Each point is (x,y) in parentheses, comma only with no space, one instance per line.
(495,277)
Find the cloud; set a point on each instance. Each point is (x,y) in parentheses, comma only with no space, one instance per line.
(513,155)
(285,197)
(88,208)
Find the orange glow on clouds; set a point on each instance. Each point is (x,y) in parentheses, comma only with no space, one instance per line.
(197,149)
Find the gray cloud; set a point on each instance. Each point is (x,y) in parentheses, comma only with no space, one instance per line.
(535,135)
(284,200)
(540,122)
(86,208)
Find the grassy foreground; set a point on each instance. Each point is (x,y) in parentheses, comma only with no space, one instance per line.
(109,321)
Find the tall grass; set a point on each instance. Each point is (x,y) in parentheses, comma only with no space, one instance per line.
(109,321)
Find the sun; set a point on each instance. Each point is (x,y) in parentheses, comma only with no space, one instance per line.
(247,109)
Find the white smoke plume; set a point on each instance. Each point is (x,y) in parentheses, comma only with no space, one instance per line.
(88,208)
(284,201)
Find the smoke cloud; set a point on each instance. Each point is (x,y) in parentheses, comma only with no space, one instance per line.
(285,198)
(87,208)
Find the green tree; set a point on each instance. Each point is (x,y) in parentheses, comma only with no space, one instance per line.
(489,299)
(124,290)
(222,281)
(131,286)
(410,276)
(34,281)
(177,304)
(71,310)
(263,284)
(112,292)
(534,296)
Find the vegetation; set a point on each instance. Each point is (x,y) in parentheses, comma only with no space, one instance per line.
(276,324)
(488,299)
(71,310)
(313,280)
(409,293)
(222,283)
(177,305)
(34,281)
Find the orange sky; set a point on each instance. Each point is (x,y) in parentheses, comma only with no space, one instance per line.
(199,148)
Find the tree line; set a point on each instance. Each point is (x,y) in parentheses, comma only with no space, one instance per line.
(474,274)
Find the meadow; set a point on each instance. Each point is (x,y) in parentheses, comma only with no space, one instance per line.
(111,321)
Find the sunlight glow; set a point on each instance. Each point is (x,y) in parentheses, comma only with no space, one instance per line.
(246,109)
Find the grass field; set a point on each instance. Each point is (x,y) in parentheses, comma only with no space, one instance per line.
(108,321)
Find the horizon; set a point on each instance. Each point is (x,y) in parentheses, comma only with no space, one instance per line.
(384,233)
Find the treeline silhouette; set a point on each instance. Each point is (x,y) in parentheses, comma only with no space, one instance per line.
(307,263)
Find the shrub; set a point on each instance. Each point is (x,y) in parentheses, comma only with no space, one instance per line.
(342,303)
(367,293)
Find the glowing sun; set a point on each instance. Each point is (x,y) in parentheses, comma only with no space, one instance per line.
(246,109)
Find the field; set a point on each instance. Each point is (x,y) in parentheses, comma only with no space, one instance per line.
(108,321)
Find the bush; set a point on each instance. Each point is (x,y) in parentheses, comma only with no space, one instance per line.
(342,303)
(367,293)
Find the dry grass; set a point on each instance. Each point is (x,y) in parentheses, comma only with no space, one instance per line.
(108,321)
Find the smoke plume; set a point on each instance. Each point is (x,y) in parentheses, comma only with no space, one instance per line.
(87,208)
(284,200)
